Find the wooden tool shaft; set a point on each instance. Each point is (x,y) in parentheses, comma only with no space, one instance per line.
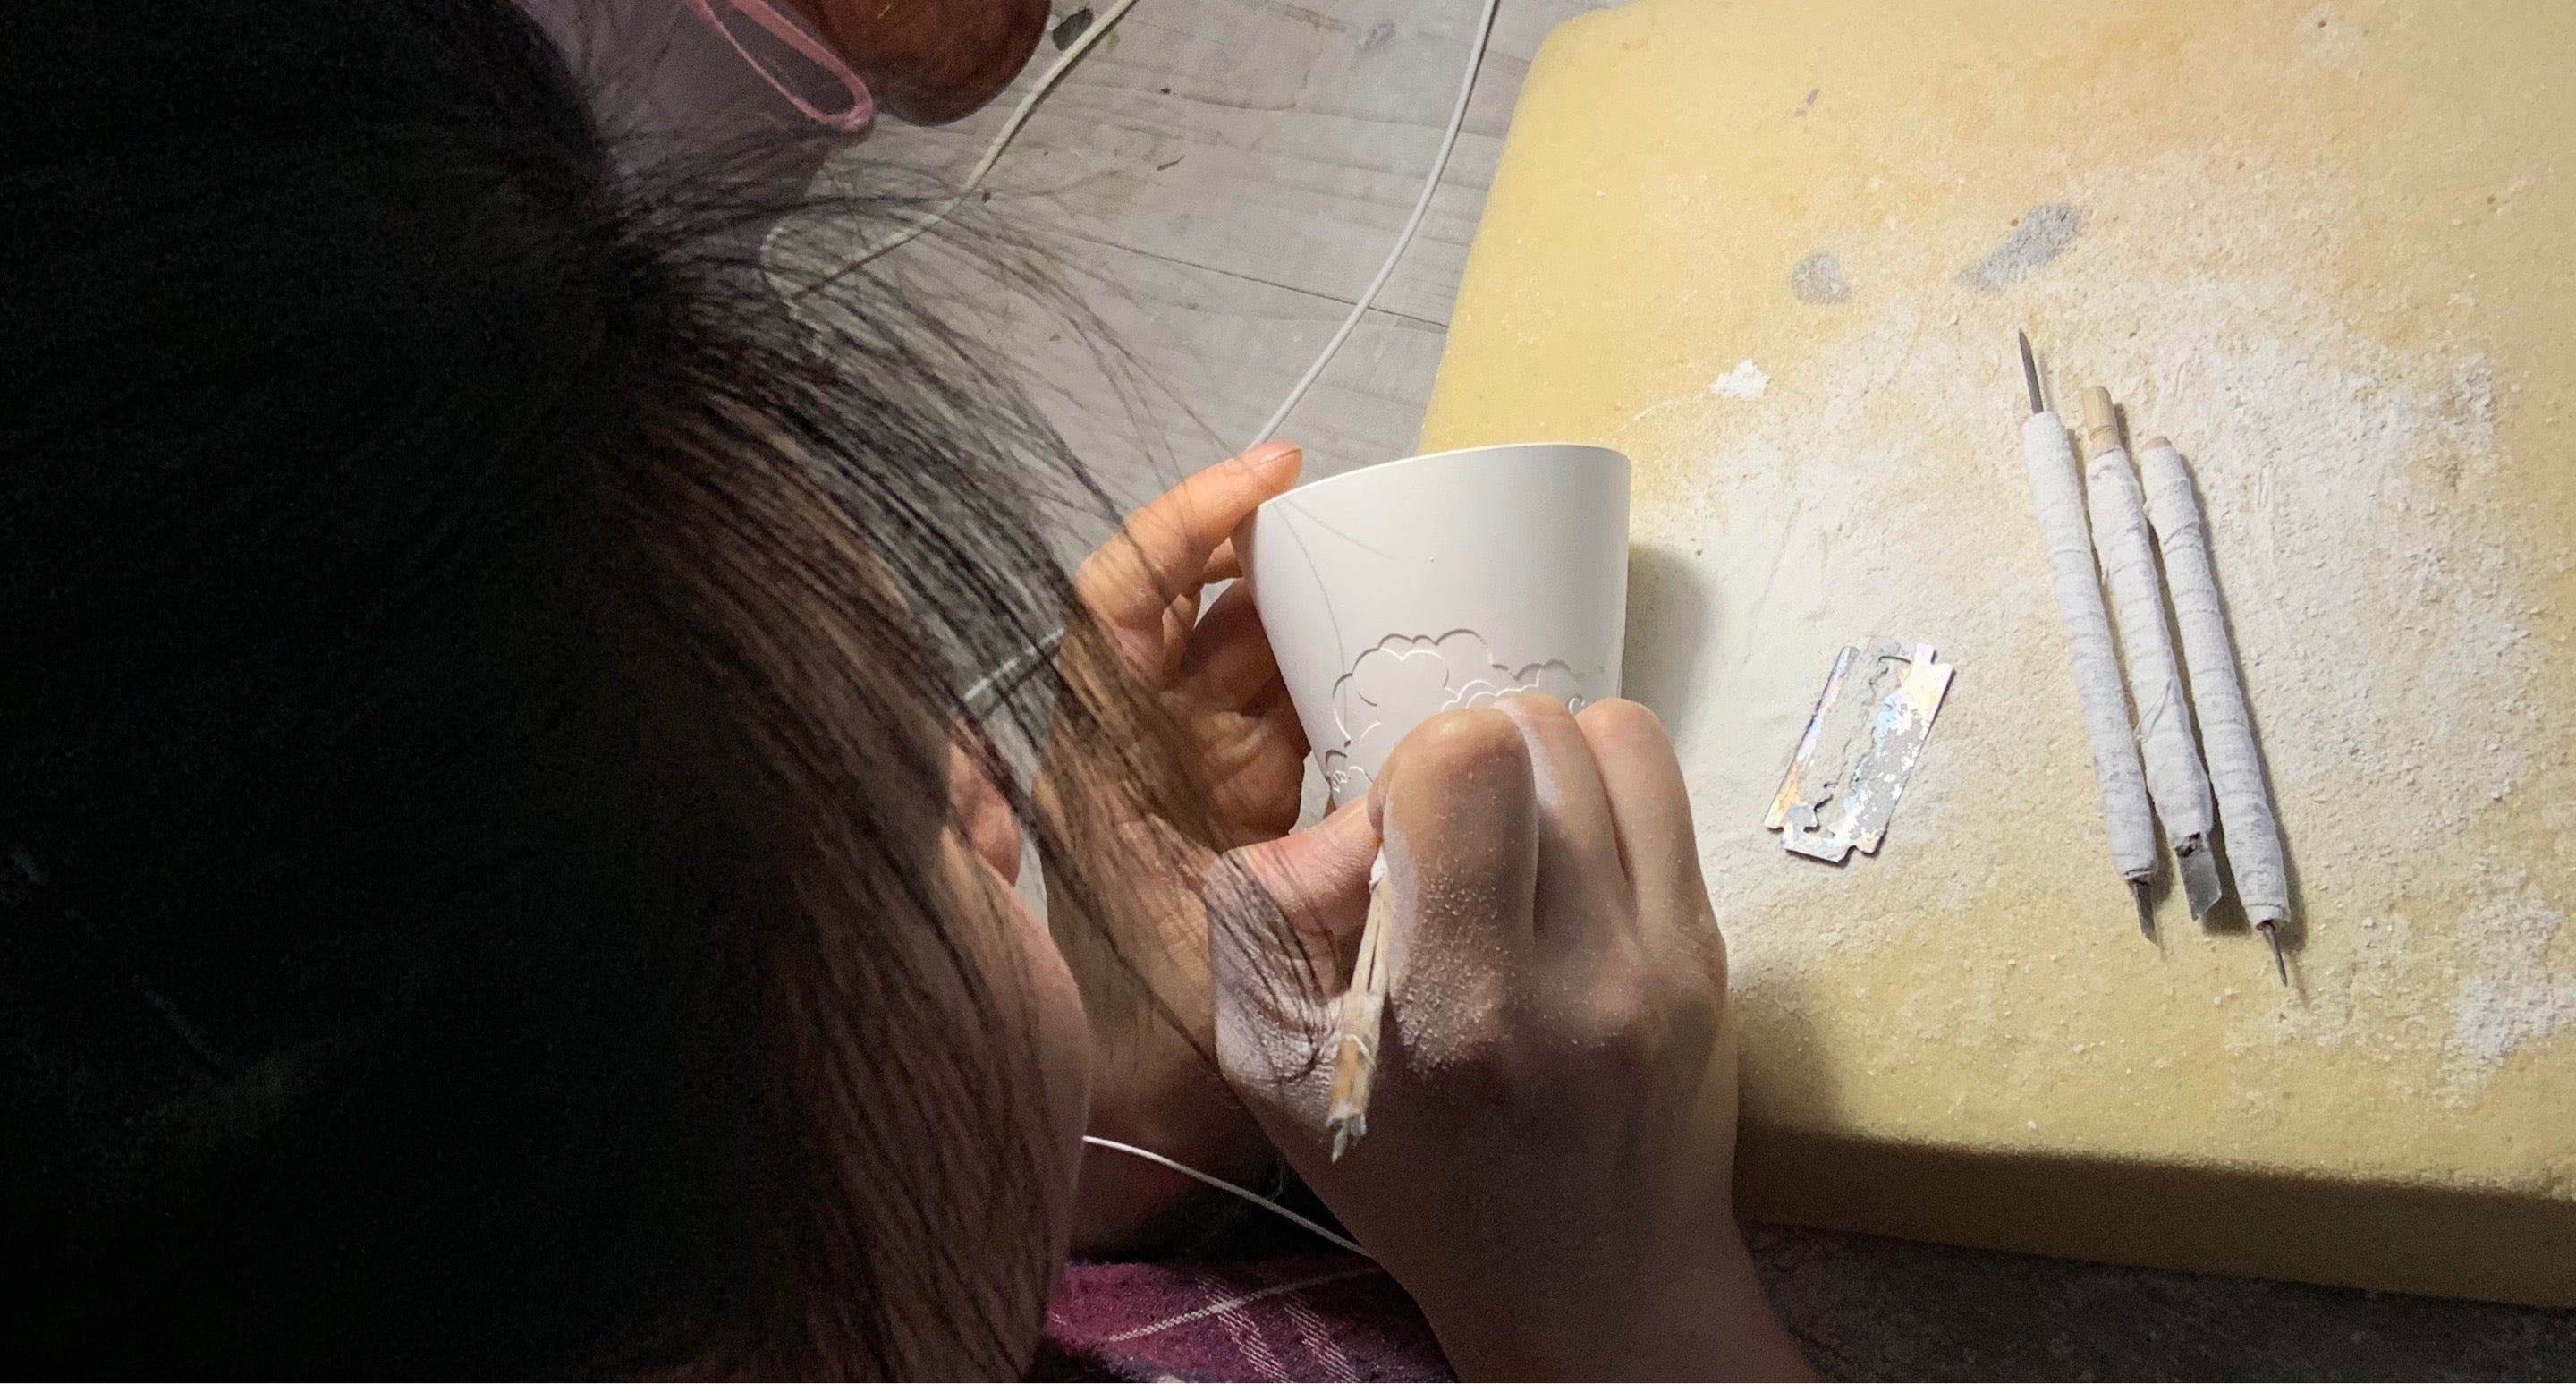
(1355,1055)
(1355,1034)
(2101,421)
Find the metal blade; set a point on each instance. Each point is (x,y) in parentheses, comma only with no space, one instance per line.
(2201,884)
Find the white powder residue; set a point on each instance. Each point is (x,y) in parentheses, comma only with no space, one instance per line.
(2515,996)
(1745,381)
(2352,488)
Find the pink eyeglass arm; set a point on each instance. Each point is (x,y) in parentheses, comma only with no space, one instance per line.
(812,49)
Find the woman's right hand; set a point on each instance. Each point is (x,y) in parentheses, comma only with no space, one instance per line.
(1551,1139)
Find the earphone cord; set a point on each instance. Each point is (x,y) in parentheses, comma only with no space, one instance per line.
(991,690)
(1222,1185)
(993,152)
(1403,238)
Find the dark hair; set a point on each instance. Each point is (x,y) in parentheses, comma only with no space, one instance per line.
(462,643)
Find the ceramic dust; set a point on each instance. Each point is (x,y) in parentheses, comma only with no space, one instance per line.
(2346,479)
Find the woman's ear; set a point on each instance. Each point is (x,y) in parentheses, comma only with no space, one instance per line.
(983,815)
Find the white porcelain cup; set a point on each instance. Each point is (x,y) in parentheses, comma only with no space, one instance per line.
(1402,590)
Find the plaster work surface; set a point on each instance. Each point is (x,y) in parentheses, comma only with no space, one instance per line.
(2324,249)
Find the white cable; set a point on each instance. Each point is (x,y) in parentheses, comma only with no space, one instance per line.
(989,691)
(1003,680)
(992,689)
(1403,238)
(1224,1186)
(1011,127)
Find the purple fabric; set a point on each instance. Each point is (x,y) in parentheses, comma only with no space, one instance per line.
(1332,1316)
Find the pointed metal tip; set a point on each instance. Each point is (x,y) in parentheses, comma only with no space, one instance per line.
(2030,373)
(2146,909)
(2280,964)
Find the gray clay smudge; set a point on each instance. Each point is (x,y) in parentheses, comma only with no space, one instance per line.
(2044,233)
(1376,37)
(1819,279)
(1071,27)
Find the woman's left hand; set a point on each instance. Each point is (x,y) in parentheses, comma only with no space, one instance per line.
(1203,678)
(1211,669)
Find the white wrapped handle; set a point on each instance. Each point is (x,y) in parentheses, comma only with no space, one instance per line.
(2254,852)
(2175,778)
(2058,496)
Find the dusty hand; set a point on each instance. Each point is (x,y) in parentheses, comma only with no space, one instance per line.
(1550,1144)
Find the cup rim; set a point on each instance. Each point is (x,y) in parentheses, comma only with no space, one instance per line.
(1376,467)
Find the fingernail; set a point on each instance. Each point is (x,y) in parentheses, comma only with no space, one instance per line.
(1272,456)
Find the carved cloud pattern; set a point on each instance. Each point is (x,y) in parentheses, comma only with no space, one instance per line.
(1408,679)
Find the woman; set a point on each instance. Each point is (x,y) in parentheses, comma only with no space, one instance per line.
(500,881)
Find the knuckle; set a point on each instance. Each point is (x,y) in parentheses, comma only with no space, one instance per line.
(1632,1022)
(1476,743)
(1623,1025)
(1706,951)
(1695,1011)
(1470,1041)
(1483,1068)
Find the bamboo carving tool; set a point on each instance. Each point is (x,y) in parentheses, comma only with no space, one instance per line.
(2254,854)
(2175,780)
(1355,1036)
(2058,495)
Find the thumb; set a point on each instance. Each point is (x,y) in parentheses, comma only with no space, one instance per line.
(1317,878)
(1279,915)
